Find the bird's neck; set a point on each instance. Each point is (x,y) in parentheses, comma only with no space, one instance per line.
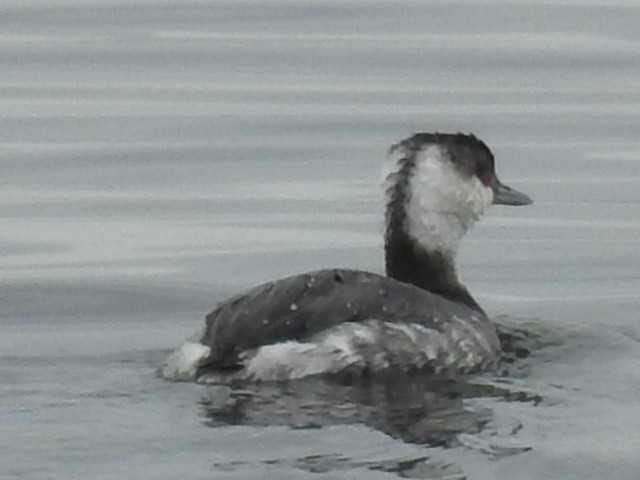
(429,208)
(430,269)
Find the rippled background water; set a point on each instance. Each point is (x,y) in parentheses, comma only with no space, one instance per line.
(158,155)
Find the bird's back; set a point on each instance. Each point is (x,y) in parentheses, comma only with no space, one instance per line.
(301,307)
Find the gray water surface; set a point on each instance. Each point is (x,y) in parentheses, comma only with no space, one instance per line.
(158,156)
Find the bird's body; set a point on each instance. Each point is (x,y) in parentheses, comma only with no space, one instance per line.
(419,316)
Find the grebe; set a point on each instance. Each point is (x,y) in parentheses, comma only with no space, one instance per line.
(417,317)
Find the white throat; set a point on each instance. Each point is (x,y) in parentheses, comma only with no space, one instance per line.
(441,204)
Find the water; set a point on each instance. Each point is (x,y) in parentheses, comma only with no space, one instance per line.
(157,156)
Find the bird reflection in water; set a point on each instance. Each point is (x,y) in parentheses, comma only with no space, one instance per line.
(413,408)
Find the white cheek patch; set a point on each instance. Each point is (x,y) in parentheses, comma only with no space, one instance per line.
(479,199)
(442,204)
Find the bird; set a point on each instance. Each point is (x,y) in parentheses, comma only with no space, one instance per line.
(416,317)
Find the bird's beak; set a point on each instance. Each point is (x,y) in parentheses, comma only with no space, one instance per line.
(504,195)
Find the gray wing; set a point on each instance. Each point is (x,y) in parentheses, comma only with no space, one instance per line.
(296,308)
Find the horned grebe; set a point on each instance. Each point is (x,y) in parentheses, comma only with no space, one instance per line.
(418,317)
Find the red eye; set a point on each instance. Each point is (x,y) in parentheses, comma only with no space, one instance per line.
(486,178)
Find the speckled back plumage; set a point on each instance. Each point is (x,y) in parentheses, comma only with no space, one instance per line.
(303,307)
